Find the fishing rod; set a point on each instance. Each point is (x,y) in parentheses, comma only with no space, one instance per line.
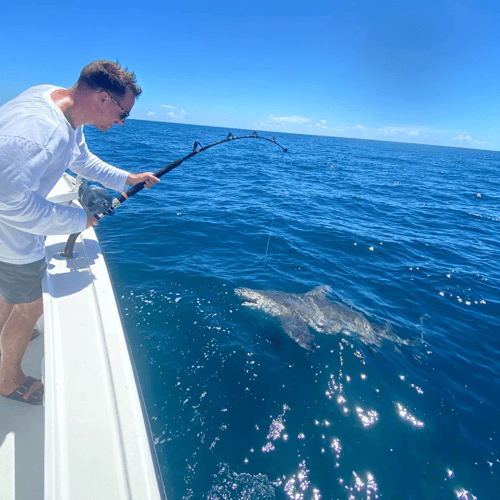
(98,202)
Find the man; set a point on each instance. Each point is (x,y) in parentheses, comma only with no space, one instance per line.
(41,135)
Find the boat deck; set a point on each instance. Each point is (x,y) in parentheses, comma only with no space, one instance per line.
(21,438)
(91,438)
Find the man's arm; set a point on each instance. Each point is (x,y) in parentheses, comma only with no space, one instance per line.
(93,168)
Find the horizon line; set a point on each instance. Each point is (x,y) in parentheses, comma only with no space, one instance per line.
(317,135)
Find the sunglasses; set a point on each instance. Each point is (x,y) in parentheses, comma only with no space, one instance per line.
(125,114)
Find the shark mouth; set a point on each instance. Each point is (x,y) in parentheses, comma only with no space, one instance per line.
(247,296)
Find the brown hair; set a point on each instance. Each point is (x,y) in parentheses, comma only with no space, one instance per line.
(110,76)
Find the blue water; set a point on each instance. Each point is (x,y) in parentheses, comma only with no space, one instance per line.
(403,233)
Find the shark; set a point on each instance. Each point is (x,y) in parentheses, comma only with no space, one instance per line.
(300,314)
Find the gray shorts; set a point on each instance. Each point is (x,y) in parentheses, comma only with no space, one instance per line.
(22,283)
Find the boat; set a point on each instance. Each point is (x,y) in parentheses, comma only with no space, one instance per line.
(91,438)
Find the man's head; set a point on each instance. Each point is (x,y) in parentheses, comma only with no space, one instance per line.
(112,92)
(109,76)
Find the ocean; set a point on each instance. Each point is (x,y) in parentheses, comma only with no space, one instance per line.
(405,234)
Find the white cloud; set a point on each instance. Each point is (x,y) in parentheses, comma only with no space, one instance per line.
(150,113)
(174,115)
(400,133)
(289,119)
(393,133)
(390,131)
(468,140)
(462,137)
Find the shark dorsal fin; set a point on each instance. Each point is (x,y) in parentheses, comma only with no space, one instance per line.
(322,290)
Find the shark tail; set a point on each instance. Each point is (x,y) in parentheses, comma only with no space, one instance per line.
(418,341)
(386,331)
(389,334)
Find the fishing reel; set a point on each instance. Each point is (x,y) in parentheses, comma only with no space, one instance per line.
(95,200)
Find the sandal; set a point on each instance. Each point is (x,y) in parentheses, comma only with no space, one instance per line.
(30,392)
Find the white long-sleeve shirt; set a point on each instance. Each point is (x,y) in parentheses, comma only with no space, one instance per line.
(37,144)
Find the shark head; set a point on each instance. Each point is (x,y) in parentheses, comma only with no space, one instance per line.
(284,306)
(266,301)
(251,298)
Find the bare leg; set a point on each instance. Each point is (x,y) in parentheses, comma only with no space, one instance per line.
(5,310)
(14,339)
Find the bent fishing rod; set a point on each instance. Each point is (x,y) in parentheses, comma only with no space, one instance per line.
(98,202)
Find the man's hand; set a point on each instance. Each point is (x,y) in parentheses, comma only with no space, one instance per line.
(147,177)
(91,221)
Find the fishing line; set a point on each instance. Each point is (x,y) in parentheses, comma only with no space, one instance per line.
(268,240)
(98,202)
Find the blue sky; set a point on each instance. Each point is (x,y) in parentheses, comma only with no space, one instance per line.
(422,72)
